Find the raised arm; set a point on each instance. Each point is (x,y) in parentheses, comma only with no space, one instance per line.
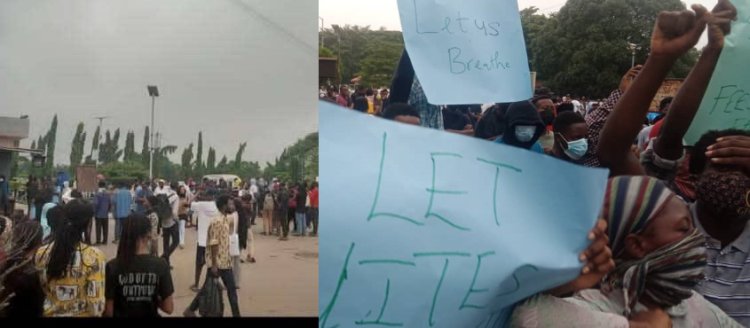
(674,34)
(688,99)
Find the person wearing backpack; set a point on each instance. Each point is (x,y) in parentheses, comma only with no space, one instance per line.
(167,210)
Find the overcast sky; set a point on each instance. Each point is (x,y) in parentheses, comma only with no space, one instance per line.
(384,13)
(239,70)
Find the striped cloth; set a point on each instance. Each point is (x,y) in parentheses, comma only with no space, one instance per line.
(727,282)
(666,275)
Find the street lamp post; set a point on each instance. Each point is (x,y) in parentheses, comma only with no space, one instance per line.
(322,27)
(153,92)
(632,47)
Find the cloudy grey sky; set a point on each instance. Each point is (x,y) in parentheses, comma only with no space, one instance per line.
(384,13)
(238,70)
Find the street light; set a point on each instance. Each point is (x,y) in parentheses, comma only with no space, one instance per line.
(322,28)
(632,47)
(153,92)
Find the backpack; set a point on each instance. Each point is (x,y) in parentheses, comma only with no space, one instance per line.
(162,208)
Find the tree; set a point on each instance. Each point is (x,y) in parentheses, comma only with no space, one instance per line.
(77,148)
(51,139)
(129,151)
(123,171)
(187,160)
(199,155)
(583,49)
(238,157)
(350,44)
(94,143)
(532,24)
(325,52)
(145,150)
(382,54)
(222,166)
(109,150)
(211,160)
(297,162)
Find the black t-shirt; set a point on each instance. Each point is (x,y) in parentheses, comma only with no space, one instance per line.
(136,292)
(361,104)
(454,120)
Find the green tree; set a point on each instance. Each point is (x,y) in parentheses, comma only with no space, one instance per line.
(325,52)
(187,161)
(349,43)
(129,151)
(146,148)
(110,151)
(123,171)
(223,165)
(163,167)
(297,162)
(238,157)
(77,147)
(532,23)
(199,156)
(51,140)
(94,145)
(211,160)
(583,49)
(381,58)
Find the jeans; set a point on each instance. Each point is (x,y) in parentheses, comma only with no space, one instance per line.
(118,228)
(227,277)
(301,226)
(170,238)
(102,230)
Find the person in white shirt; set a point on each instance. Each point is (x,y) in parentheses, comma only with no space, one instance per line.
(254,191)
(66,197)
(161,189)
(205,211)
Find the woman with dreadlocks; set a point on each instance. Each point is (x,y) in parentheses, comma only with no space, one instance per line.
(71,272)
(20,280)
(137,283)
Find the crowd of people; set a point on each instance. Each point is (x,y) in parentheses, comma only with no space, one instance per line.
(673,245)
(50,263)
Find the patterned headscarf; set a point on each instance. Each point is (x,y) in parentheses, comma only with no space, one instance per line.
(668,274)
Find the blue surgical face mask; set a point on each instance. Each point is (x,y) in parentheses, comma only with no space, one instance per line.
(576,148)
(524,133)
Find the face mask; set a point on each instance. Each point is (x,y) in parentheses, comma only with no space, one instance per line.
(547,117)
(524,133)
(725,193)
(576,148)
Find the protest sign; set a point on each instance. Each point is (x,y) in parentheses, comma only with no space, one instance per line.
(467,52)
(726,104)
(424,228)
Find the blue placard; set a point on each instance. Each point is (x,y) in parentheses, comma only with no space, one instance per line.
(467,52)
(423,228)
